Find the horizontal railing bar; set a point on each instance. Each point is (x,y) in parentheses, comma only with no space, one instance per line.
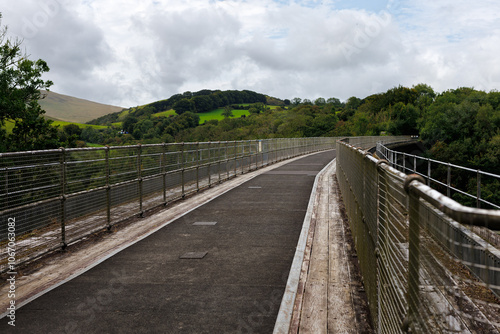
(458,212)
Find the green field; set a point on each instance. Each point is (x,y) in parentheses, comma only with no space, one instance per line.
(165,113)
(9,125)
(80,125)
(207,116)
(217,114)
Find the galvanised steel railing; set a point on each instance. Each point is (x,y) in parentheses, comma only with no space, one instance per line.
(423,270)
(429,168)
(57,197)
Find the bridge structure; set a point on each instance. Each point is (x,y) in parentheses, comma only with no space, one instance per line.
(304,235)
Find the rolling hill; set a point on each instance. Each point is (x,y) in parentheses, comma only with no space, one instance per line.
(72,109)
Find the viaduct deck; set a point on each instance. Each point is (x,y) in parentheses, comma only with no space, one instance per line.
(216,263)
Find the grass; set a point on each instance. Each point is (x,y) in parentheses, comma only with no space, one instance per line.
(165,113)
(72,109)
(206,116)
(9,125)
(123,114)
(217,114)
(80,125)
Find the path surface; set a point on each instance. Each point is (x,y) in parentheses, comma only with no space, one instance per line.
(221,268)
(330,296)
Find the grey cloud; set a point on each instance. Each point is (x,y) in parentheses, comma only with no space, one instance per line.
(72,46)
(186,46)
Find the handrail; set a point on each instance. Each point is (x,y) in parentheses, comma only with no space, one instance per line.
(394,157)
(423,271)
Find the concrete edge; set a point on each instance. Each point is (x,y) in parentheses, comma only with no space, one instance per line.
(66,277)
(283,321)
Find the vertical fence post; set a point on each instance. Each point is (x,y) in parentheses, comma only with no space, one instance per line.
(219,158)
(182,171)
(163,162)
(428,172)
(197,166)
(448,181)
(63,198)
(209,164)
(242,163)
(235,156)
(478,200)
(276,148)
(139,178)
(108,188)
(413,301)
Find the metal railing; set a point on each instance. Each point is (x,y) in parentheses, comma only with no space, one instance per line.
(443,175)
(423,270)
(368,142)
(56,197)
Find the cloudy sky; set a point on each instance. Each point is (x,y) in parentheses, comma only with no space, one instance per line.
(130,52)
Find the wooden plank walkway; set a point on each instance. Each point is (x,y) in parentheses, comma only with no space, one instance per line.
(330,296)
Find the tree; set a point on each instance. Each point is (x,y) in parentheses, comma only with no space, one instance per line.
(202,103)
(183,105)
(72,129)
(20,85)
(320,101)
(257,108)
(335,102)
(296,101)
(353,102)
(228,112)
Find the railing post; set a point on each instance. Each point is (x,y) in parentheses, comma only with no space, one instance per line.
(226,159)
(139,178)
(108,188)
(235,157)
(197,166)
(413,301)
(218,160)
(242,163)
(448,181)
(183,194)
(209,164)
(163,163)
(63,198)
(478,200)
(428,172)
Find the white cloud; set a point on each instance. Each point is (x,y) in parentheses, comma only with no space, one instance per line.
(128,52)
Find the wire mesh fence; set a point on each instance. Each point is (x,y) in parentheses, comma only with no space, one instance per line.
(424,271)
(57,197)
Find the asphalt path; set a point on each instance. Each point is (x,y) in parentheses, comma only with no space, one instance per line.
(221,268)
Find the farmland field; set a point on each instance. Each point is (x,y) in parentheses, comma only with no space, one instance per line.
(165,113)
(217,114)
(9,125)
(80,125)
(207,116)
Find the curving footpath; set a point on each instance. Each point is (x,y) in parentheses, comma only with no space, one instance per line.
(220,265)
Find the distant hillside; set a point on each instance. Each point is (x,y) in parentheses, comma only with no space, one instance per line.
(72,109)
(201,102)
